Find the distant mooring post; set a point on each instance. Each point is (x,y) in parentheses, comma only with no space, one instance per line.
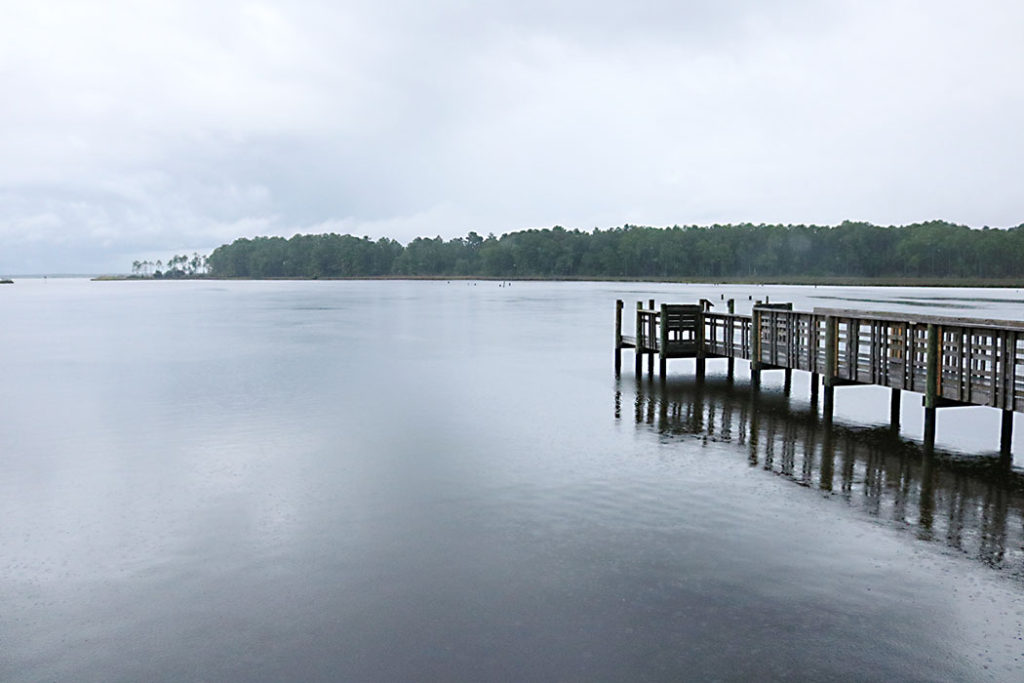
(951,361)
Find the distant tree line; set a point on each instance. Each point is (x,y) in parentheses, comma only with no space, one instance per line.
(178,266)
(932,249)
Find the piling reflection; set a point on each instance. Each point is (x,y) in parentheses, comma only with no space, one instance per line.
(971,504)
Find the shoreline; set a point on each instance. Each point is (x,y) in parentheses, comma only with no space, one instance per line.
(800,281)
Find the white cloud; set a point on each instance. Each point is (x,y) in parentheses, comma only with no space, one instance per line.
(133,127)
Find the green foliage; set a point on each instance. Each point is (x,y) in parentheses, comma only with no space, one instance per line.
(935,249)
(178,266)
(305,256)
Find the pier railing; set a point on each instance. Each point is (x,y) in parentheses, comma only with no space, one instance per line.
(647,329)
(952,361)
(977,362)
(727,335)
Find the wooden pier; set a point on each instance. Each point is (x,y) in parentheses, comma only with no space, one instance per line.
(951,361)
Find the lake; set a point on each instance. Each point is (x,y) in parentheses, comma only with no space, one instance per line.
(424,480)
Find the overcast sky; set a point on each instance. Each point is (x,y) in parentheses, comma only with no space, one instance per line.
(140,129)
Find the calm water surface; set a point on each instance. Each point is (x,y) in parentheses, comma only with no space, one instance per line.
(431,481)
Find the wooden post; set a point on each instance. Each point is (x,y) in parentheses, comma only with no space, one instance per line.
(699,339)
(831,349)
(831,367)
(731,373)
(929,431)
(931,387)
(894,411)
(1006,435)
(755,340)
(814,391)
(755,348)
(650,355)
(787,385)
(931,391)
(618,337)
(731,303)
(638,356)
(662,341)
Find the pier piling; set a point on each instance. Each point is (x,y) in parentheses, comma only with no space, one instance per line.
(828,404)
(929,430)
(894,411)
(650,354)
(636,340)
(618,337)
(1006,434)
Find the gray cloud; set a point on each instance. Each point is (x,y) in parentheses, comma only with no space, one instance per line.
(135,129)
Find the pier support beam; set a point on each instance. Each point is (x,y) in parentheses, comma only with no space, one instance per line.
(755,349)
(650,356)
(894,411)
(931,387)
(814,391)
(929,431)
(931,393)
(639,355)
(787,385)
(618,337)
(831,367)
(1006,436)
(731,371)
(700,343)
(662,341)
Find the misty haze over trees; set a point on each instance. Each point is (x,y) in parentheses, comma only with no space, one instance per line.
(931,249)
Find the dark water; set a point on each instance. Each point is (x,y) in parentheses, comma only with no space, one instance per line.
(432,481)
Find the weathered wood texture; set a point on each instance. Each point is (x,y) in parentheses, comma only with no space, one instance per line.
(727,335)
(974,362)
(683,331)
(647,332)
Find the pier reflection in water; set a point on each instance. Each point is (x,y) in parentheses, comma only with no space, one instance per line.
(973,505)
